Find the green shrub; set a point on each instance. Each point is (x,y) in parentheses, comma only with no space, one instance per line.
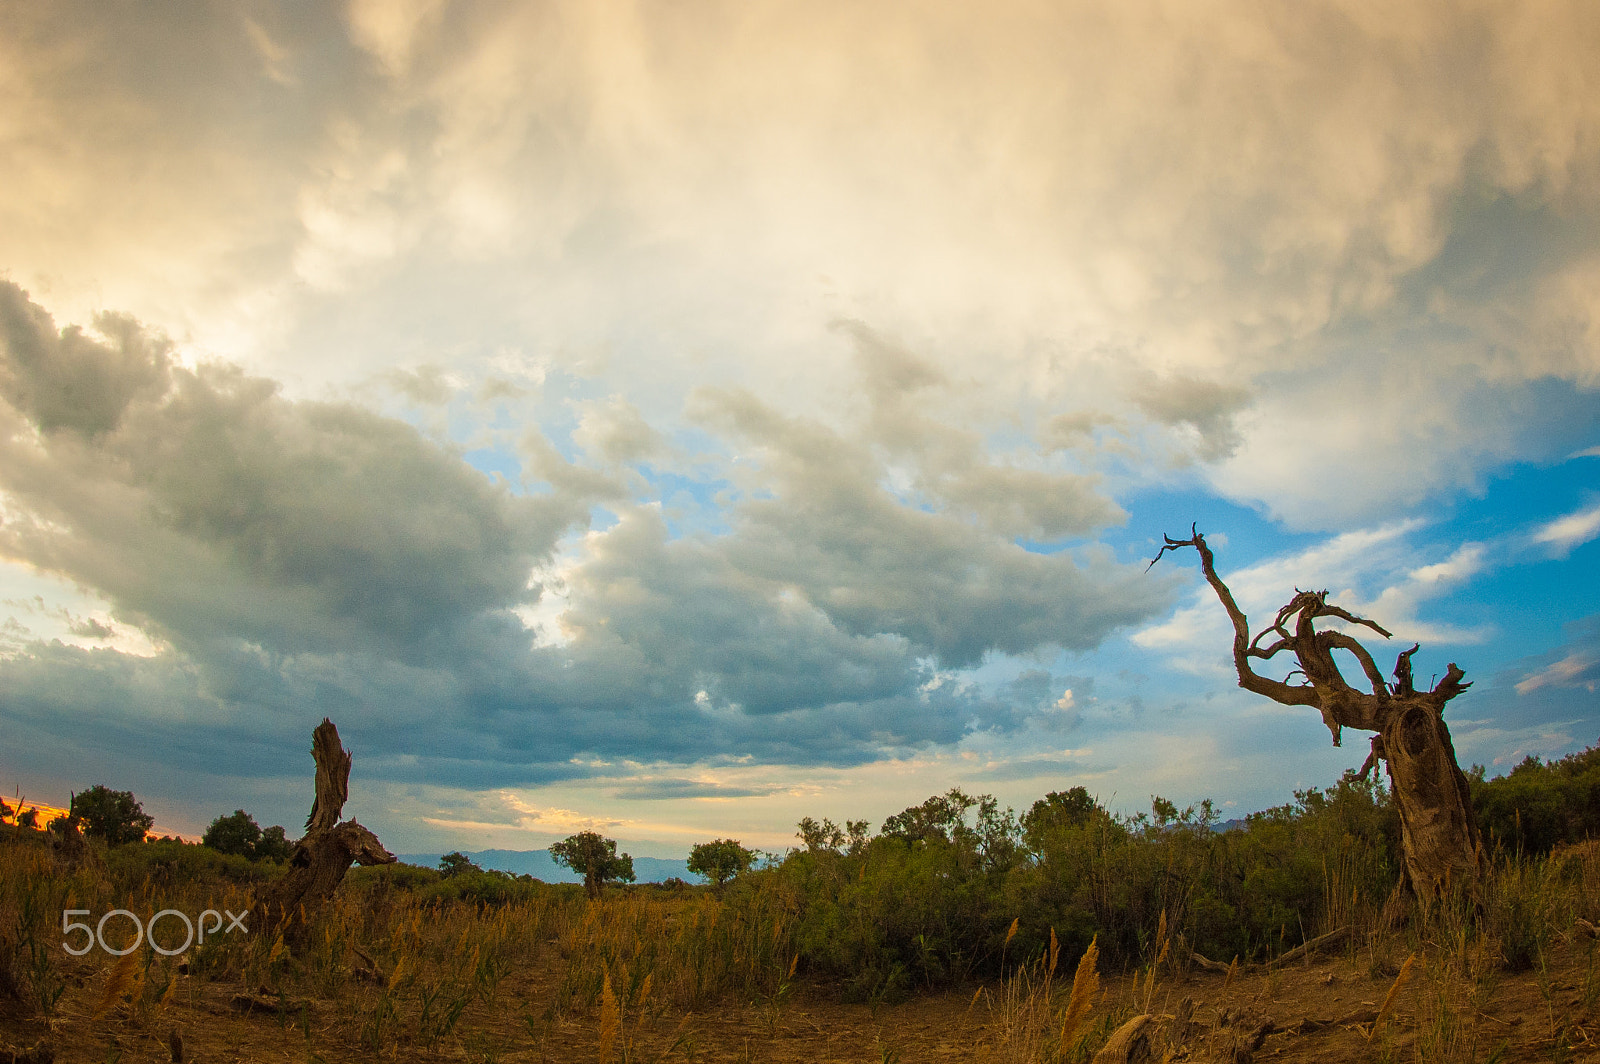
(1539,805)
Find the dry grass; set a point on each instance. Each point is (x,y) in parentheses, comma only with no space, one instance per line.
(646,975)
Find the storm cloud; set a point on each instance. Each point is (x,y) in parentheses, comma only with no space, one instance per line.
(294,558)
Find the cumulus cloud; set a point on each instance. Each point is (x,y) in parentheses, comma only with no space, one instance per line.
(614,430)
(1270,222)
(304,557)
(1205,407)
(874,565)
(204,504)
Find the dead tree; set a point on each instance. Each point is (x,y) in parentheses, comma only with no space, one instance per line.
(1438,831)
(321,859)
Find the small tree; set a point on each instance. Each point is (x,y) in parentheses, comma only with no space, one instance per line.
(115,816)
(830,837)
(275,844)
(238,833)
(455,862)
(594,858)
(1060,811)
(720,860)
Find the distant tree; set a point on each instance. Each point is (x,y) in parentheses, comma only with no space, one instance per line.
(594,858)
(941,818)
(828,836)
(5,810)
(455,863)
(1056,811)
(720,860)
(115,816)
(275,844)
(28,818)
(237,833)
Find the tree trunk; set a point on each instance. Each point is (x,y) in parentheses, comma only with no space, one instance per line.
(321,859)
(1438,829)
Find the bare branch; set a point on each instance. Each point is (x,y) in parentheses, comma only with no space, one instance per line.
(1370,667)
(1283,633)
(1174,544)
(1283,644)
(1248,678)
(1373,758)
(1346,615)
(1404,685)
(1450,686)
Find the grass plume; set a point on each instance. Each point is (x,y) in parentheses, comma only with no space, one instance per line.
(1394,992)
(1085,984)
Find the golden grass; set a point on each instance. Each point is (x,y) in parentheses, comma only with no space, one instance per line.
(1385,1009)
(1085,985)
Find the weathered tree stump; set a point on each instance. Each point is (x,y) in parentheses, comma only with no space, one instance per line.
(1438,830)
(320,860)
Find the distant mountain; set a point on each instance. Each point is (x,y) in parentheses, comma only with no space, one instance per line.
(540,865)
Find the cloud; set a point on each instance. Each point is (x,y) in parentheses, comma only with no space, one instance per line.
(1206,407)
(658,789)
(826,352)
(208,505)
(68,380)
(1573,667)
(1575,670)
(1327,259)
(875,565)
(1572,530)
(614,430)
(300,557)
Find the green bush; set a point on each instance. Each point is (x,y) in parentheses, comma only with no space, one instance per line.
(115,816)
(1539,805)
(956,888)
(171,861)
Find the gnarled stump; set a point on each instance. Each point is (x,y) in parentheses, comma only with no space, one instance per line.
(321,859)
(1439,832)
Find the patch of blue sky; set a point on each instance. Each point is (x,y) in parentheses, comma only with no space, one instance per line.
(1239,534)
(690,505)
(1560,420)
(497,462)
(1528,590)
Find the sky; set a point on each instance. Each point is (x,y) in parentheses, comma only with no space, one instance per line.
(674,420)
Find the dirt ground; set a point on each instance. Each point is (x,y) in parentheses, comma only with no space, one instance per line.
(1323,1010)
